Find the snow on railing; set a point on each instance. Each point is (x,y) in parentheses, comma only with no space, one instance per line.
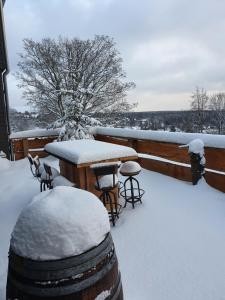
(210,140)
(34,133)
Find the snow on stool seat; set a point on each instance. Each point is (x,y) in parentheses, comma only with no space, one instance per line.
(62,181)
(59,223)
(130,168)
(107,181)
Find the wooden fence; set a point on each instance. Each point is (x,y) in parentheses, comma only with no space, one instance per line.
(35,146)
(175,162)
(179,164)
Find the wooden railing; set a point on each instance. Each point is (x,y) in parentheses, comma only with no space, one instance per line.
(175,161)
(32,142)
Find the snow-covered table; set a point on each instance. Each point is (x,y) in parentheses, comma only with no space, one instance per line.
(77,156)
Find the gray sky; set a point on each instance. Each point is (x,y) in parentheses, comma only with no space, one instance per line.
(168,46)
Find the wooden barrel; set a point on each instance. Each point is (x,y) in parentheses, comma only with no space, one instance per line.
(91,275)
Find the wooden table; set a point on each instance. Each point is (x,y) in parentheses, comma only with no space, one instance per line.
(77,156)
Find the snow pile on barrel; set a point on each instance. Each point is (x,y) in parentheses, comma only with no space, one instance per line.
(60,223)
(196,146)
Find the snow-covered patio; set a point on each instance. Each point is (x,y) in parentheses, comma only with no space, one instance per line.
(169,248)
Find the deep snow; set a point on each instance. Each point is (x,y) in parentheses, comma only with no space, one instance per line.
(169,248)
(52,226)
(85,151)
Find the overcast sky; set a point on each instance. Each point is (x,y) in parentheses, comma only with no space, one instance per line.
(168,46)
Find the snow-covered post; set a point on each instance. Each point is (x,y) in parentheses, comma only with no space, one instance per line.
(196,152)
(61,247)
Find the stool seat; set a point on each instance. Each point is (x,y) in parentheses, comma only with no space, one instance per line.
(130,173)
(130,168)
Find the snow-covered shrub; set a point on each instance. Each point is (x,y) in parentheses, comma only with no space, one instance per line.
(75,124)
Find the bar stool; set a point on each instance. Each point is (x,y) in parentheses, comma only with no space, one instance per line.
(132,192)
(47,177)
(39,168)
(106,182)
(32,166)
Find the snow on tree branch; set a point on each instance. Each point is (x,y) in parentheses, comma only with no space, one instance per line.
(72,80)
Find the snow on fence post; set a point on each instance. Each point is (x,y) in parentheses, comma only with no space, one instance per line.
(61,248)
(196,153)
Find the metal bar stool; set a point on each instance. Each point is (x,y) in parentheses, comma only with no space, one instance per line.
(131,192)
(47,177)
(39,168)
(106,182)
(32,166)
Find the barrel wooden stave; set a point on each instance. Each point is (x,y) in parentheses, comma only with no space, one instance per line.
(82,277)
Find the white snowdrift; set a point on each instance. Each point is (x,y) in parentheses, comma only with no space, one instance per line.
(4,164)
(59,223)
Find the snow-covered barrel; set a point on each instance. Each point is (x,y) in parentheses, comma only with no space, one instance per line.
(61,248)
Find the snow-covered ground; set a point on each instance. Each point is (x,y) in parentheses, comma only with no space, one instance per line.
(171,247)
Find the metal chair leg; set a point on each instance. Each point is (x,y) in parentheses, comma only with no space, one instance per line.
(111,208)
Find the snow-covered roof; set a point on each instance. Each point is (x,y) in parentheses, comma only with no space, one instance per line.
(85,151)
(60,223)
(209,140)
(34,133)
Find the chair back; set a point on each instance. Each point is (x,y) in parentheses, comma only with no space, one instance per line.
(37,164)
(30,158)
(103,170)
(48,171)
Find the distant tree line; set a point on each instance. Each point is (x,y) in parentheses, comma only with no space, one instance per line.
(202,102)
(20,121)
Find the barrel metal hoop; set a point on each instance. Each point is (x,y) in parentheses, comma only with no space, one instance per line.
(117,289)
(59,263)
(60,274)
(68,289)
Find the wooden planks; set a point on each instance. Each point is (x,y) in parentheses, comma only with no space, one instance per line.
(166,168)
(35,146)
(215,157)
(215,180)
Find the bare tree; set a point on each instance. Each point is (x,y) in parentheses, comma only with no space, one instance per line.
(200,104)
(73,79)
(217,104)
